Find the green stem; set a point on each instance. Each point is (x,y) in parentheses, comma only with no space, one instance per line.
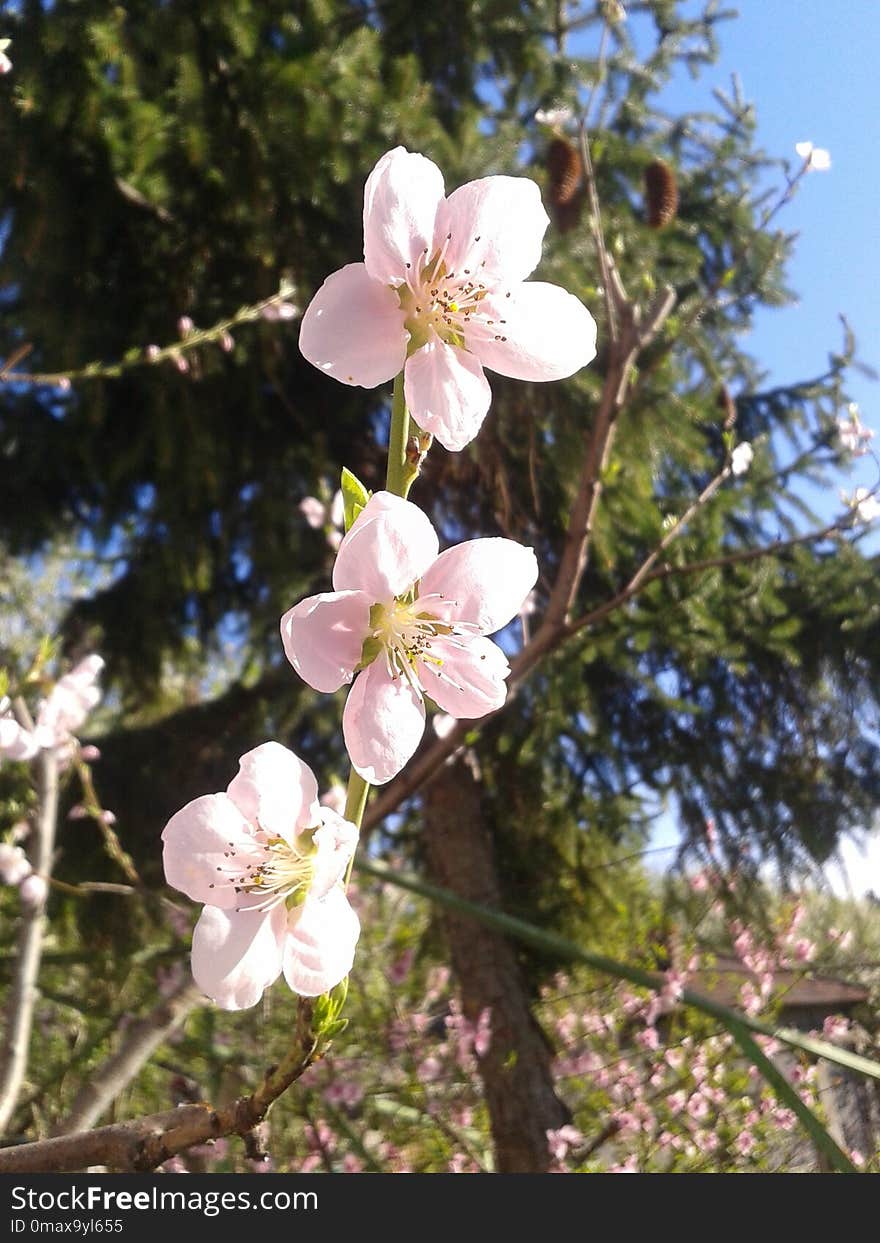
(355,802)
(398,478)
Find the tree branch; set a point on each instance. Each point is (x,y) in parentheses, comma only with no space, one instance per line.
(423,767)
(17,1037)
(145,1143)
(140,1041)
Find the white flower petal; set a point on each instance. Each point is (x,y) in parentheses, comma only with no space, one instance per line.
(497,226)
(482,581)
(382,724)
(275,790)
(388,548)
(541,332)
(447,393)
(401,198)
(236,955)
(353,329)
(320,943)
(207,846)
(323,637)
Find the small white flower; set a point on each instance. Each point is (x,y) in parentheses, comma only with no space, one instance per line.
(314,511)
(443,724)
(854,436)
(553,117)
(741,458)
(866,505)
(817,158)
(14,865)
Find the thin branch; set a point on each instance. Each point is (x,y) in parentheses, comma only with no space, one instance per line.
(424,766)
(149,357)
(145,1143)
(23,994)
(138,1044)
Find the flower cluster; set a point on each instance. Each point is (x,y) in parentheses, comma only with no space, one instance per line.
(441,294)
(60,715)
(16,871)
(854,436)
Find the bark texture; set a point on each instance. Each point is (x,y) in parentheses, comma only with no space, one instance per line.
(515,1071)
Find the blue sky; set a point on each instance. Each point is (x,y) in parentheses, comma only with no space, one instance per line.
(810,69)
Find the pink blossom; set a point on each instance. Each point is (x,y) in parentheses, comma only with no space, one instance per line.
(441,295)
(314,511)
(267,861)
(648,1038)
(90,754)
(33,891)
(483,1032)
(335,798)
(835,1027)
(707,1141)
(14,865)
(560,1141)
(745,1143)
(430,1069)
(629,1166)
(698,1107)
(750,999)
(854,436)
(408,623)
(276,311)
(676,1102)
(16,742)
(69,703)
(804,949)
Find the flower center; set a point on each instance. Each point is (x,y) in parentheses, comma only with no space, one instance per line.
(405,634)
(438,301)
(284,874)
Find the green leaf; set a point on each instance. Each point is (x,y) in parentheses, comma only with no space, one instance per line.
(354,496)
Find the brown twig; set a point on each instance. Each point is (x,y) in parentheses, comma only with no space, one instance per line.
(145,1143)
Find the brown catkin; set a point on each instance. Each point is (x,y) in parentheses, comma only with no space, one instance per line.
(661,194)
(728,405)
(564,167)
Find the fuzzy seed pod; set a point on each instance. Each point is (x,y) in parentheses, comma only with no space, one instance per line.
(564,167)
(661,194)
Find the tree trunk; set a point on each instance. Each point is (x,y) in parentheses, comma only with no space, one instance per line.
(515,1070)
